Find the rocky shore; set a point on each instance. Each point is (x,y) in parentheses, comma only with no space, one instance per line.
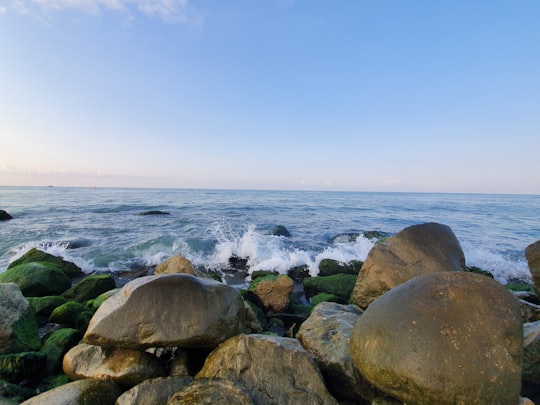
(412,324)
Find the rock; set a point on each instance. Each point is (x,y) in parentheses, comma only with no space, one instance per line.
(37,279)
(83,392)
(90,287)
(56,345)
(325,335)
(324,297)
(272,292)
(329,267)
(4,216)
(126,367)
(72,315)
(154,212)
(18,326)
(36,255)
(416,250)
(210,392)
(14,392)
(273,370)
(17,367)
(532,253)
(43,306)
(531,352)
(280,230)
(178,264)
(168,310)
(445,338)
(255,319)
(340,285)
(299,273)
(155,391)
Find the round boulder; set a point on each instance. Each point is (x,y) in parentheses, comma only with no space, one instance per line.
(418,249)
(273,292)
(445,338)
(168,310)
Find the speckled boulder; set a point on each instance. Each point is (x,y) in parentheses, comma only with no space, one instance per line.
(444,338)
(418,249)
(168,310)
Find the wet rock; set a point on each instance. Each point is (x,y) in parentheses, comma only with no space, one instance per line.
(155,391)
(328,267)
(418,249)
(83,392)
(126,367)
(273,370)
(56,345)
(325,335)
(272,292)
(36,255)
(168,310)
(37,279)
(154,212)
(210,392)
(4,216)
(72,315)
(18,326)
(340,285)
(90,287)
(43,306)
(280,230)
(532,253)
(445,338)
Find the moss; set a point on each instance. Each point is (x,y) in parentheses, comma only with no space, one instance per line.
(90,287)
(72,314)
(262,273)
(52,381)
(14,392)
(37,279)
(43,306)
(24,333)
(36,255)
(325,297)
(259,313)
(22,366)
(57,344)
(340,285)
(328,267)
(519,286)
(478,270)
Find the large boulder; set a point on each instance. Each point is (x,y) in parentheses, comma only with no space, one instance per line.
(272,292)
(82,392)
(126,367)
(168,310)
(325,335)
(90,287)
(273,370)
(155,391)
(445,338)
(36,255)
(532,253)
(18,326)
(176,264)
(209,392)
(418,249)
(37,279)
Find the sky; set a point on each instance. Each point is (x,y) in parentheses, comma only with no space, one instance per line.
(360,95)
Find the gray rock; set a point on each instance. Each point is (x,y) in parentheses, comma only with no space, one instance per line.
(168,310)
(5,216)
(126,367)
(155,391)
(532,253)
(325,335)
(274,370)
(82,392)
(210,392)
(445,338)
(531,352)
(18,325)
(418,249)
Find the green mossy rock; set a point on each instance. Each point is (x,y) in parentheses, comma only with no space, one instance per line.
(57,344)
(328,267)
(299,273)
(324,297)
(21,366)
(37,279)
(90,287)
(14,392)
(72,314)
(478,270)
(36,255)
(43,306)
(340,285)
(262,273)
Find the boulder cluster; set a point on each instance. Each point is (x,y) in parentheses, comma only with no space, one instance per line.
(412,324)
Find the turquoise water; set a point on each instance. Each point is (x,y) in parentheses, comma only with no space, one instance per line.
(101,229)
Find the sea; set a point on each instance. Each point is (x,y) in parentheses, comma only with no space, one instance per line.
(103,229)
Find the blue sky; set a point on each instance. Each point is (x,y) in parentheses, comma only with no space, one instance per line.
(331,95)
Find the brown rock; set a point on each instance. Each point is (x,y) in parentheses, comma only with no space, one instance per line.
(210,392)
(532,253)
(82,392)
(273,292)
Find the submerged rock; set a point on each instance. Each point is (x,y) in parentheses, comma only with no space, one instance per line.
(280,230)
(126,367)
(154,212)
(418,249)
(273,370)
(445,338)
(168,310)
(4,216)
(83,392)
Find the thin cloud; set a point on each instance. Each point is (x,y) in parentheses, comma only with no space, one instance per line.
(171,11)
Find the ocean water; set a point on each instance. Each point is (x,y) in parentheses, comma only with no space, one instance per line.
(101,230)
